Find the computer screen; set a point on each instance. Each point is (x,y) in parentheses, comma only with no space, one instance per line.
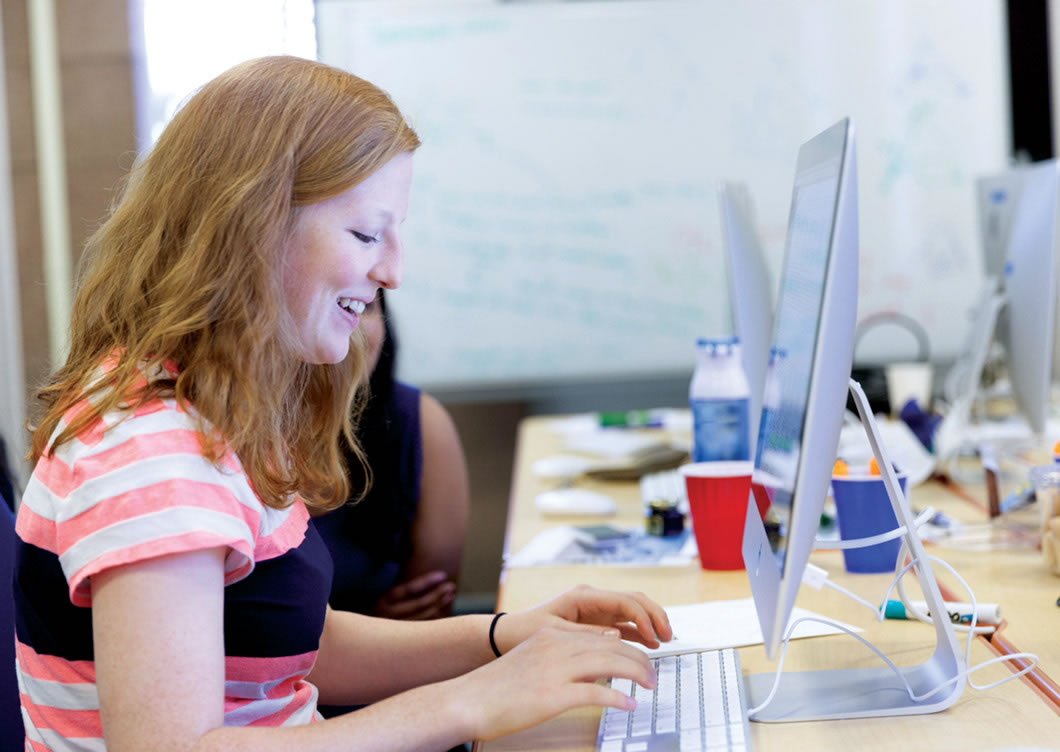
(813,338)
(750,290)
(1029,287)
(1018,219)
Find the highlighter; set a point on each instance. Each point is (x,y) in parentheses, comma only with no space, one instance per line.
(960,613)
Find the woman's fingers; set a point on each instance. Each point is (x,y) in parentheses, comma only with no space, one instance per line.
(553,671)
(633,665)
(648,617)
(660,622)
(582,694)
(629,632)
(590,656)
(596,629)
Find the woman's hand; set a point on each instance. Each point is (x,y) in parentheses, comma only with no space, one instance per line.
(587,609)
(424,597)
(550,672)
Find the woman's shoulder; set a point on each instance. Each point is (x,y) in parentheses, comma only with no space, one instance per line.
(136,485)
(151,454)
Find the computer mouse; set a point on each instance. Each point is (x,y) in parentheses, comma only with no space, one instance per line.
(574,501)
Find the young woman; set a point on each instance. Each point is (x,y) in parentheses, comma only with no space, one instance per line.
(170,591)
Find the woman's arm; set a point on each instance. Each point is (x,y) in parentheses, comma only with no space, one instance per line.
(159,657)
(440,526)
(158,631)
(363,659)
(158,636)
(441,516)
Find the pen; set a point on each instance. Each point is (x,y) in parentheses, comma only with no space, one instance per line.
(960,613)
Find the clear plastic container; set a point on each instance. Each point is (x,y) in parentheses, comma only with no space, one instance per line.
(720,399)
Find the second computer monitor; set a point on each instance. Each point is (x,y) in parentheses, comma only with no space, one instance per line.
(813,341)
(750,290)
(1029,288)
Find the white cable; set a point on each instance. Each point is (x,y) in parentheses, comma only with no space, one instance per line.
(965,674)
(923,615)
(971,629)
(921,519)
(784,650)
(853,596)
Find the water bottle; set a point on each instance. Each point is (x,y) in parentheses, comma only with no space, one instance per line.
(720,398)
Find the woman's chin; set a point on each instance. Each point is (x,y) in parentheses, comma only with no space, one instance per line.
(330,355)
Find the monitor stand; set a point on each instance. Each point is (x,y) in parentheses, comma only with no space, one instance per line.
(951,431)
(859,693)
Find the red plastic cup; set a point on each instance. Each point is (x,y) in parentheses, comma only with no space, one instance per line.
(717,499)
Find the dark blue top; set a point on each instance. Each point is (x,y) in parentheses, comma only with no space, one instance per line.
(371,542)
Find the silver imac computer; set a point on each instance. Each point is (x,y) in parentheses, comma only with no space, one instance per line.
(814,335)
(1017,306)
(750,290)
(1029,286)
(814,338)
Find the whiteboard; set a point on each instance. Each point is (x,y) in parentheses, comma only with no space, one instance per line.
(564,221)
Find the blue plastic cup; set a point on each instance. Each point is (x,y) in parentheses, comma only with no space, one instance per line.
(863,509)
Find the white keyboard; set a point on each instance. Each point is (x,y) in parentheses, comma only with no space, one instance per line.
(668,485)
(698,705)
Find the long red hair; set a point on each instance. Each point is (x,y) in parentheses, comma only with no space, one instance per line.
(188,268)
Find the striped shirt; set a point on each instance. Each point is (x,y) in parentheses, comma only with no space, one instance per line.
(131,487)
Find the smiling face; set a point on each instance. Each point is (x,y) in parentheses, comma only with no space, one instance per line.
(342,250)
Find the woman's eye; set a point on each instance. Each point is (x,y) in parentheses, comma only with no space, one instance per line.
(368,239)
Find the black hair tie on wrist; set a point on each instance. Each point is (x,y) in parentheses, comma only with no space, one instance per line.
(493,626)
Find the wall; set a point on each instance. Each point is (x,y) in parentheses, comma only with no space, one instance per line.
(97,101)
(564,221)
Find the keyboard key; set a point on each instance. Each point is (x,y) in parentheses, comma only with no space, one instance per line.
(736,733)
(691,741)
(616,728)
(732,700)
(717,736)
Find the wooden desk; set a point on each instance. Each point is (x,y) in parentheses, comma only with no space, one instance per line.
(1015,578)
(1012,715)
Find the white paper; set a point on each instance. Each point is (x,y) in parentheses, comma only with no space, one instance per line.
(714,625)
(617,444)
(563,545)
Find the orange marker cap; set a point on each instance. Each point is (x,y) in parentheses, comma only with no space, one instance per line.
(840,468)
(1056,448)
(874,469)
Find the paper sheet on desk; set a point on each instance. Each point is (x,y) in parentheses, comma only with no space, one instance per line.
(714,625)
(563,545)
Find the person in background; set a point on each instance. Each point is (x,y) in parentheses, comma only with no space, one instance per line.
(10,715)
(397,552)
(170,591)
(7,479)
